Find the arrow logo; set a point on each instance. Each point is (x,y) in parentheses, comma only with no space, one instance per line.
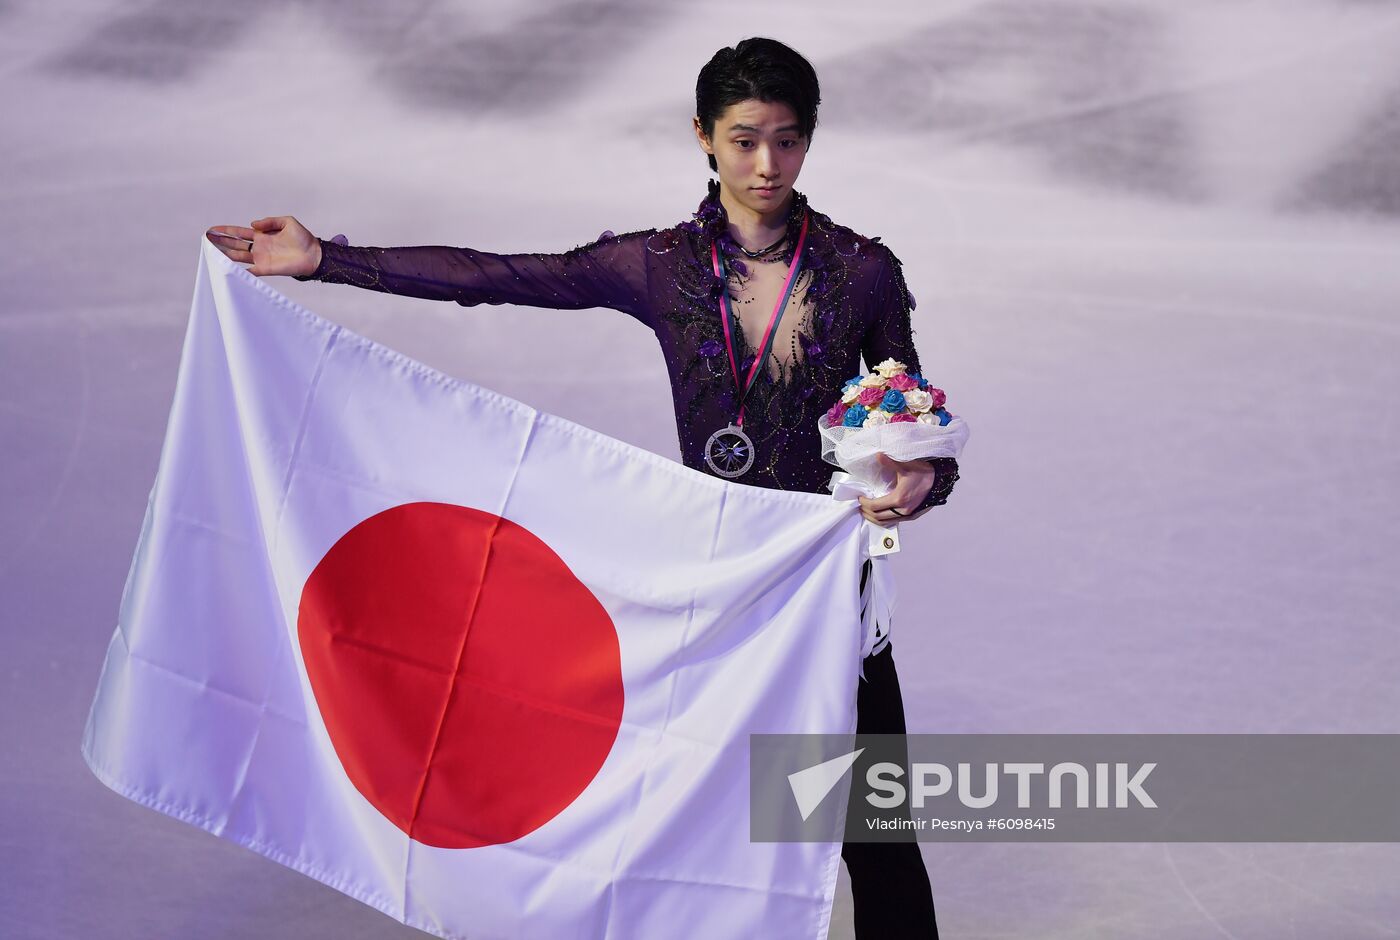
(810,786)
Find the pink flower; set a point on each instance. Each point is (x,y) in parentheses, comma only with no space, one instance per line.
(835,414)
(901,382)
(903,416)
(939,397)
(871,396)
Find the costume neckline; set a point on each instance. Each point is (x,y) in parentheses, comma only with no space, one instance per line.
(713,218)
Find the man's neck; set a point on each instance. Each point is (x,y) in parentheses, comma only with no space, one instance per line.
(754,230)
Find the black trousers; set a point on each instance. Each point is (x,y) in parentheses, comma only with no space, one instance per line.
(889,884)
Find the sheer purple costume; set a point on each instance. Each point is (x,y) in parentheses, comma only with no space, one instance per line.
(855,304)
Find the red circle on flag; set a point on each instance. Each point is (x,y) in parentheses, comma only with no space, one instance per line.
(470,683)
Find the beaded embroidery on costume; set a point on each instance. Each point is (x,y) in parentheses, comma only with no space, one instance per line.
(850,301)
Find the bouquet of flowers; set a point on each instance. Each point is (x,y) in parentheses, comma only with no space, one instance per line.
(892,412)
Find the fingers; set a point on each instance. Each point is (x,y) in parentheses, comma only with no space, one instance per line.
(875,504)
(233,240)
(238,231)
(885,519)
(272,223)
(899,503)
(229,240)
(882,509)
(231,236)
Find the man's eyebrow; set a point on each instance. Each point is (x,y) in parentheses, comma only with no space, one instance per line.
(756,130)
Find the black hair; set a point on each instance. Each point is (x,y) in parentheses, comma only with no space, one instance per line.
(759,68)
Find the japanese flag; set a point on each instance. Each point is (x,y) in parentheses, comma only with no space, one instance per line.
(486,670)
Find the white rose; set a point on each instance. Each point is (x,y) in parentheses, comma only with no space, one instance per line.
(890,368)
(877,417)
(850,395)
(918,400)
(928,417)
(873,380)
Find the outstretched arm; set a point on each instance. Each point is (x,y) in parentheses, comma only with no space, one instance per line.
(891,336)
(609,272)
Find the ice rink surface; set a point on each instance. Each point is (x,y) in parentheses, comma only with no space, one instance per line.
(1156,253)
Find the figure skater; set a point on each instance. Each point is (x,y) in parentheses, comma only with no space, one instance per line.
(759,338)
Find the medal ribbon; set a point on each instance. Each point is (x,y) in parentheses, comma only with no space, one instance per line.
(727,314)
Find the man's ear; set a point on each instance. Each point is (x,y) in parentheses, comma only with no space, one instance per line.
(700,134)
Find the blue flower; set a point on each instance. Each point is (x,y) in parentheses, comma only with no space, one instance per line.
(943,416)
(923,382)
(893,401)
(854,381)
(855,416)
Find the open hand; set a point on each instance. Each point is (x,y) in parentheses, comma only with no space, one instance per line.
(279,245)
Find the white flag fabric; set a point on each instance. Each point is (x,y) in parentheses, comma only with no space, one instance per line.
(486,670)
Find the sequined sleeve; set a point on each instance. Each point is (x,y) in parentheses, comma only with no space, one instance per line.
(946,475)
(891,336)
(608,272)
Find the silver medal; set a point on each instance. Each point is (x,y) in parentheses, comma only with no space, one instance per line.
(729,451)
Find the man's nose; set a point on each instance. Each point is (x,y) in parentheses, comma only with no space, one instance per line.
(767,162)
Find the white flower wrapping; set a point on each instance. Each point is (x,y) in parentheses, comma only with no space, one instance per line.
(855,450)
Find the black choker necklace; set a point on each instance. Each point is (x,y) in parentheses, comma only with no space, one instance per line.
(763,251)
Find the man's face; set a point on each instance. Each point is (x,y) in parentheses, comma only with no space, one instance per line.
(757,144)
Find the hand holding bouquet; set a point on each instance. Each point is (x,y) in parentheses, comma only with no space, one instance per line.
(890,412)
